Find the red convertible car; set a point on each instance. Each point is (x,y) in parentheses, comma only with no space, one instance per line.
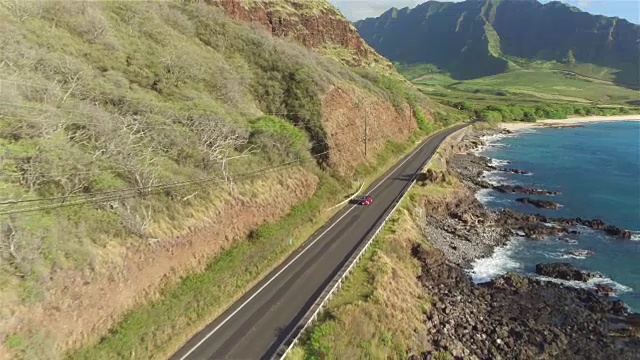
(364,200)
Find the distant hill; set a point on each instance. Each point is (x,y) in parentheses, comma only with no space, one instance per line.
(477,38)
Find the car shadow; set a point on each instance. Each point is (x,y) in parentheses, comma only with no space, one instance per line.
(405,177)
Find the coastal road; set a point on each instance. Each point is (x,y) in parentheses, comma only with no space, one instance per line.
(255,325)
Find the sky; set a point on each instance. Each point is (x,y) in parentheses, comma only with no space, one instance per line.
(360,9)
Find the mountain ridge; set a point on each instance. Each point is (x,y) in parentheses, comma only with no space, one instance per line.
(479,38)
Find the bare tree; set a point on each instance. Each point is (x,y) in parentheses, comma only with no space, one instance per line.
(17,248)
(218,143)
(70,76)
(23,10)
(130,146)
(59,162)
(136,222)
(177,68)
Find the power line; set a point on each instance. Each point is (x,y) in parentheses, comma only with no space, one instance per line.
(114,193)
(133,189)
(155,189)
(311,144)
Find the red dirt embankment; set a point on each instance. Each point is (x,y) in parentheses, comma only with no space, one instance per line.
(345,109)
(311,27)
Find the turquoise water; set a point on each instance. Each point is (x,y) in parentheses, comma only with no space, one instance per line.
(596,169)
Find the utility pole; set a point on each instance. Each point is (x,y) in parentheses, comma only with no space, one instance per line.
(365,134)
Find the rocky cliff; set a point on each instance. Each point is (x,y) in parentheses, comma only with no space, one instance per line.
(314,23)
(319,26)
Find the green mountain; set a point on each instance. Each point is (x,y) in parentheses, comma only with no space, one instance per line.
(477,38)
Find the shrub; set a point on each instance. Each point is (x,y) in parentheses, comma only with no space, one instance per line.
(278,139)
(490,115)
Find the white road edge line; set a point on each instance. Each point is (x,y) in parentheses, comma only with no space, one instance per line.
(294,259)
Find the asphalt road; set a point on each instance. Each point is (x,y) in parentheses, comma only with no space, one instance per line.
(255,325)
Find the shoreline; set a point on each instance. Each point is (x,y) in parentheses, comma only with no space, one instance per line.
(476,319)
(470,168)
(568,122)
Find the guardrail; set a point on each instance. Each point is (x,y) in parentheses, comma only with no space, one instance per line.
(350,197)
(338,280)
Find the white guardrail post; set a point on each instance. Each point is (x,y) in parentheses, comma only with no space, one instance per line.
(314,311)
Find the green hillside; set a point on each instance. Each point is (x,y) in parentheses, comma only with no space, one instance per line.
(138,140)
(472,39)
(532,86)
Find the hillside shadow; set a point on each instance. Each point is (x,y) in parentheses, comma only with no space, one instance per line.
(629,78)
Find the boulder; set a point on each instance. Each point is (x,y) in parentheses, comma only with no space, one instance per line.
(517,189)
(545,204)
(604,290)
(515,171)
(563,271)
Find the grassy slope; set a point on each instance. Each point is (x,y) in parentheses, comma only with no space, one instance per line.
(77,78)
(549,85)
(536,85)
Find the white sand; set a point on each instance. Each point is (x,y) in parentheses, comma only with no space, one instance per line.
(569,121)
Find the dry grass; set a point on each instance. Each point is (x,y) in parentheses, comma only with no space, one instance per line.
(379,311)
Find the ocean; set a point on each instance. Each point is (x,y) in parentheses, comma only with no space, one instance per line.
(596,170)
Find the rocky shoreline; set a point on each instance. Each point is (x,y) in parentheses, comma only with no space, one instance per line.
(513,316)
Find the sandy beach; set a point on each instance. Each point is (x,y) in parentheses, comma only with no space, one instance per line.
(569,121)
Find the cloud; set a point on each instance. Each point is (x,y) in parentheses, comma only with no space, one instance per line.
(360,9)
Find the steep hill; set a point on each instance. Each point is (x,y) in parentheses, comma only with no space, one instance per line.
(139,140)
(477,38)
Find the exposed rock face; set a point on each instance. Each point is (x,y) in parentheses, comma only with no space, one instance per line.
(545,204)
(312,23)
(343,120)
(563,271)
(319,25)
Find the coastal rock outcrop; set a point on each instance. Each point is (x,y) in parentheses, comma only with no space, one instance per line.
(517,189)
(604,290)
(516,171)
(544,204)
(563,271)
(515,317)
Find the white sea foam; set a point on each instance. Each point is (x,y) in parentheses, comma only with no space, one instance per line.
(499,162)
(555,255)
(524,130)
(635,236)
(485,196)
(491,141)
(591,284)
(573,256)
(497,178)
(499,263)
